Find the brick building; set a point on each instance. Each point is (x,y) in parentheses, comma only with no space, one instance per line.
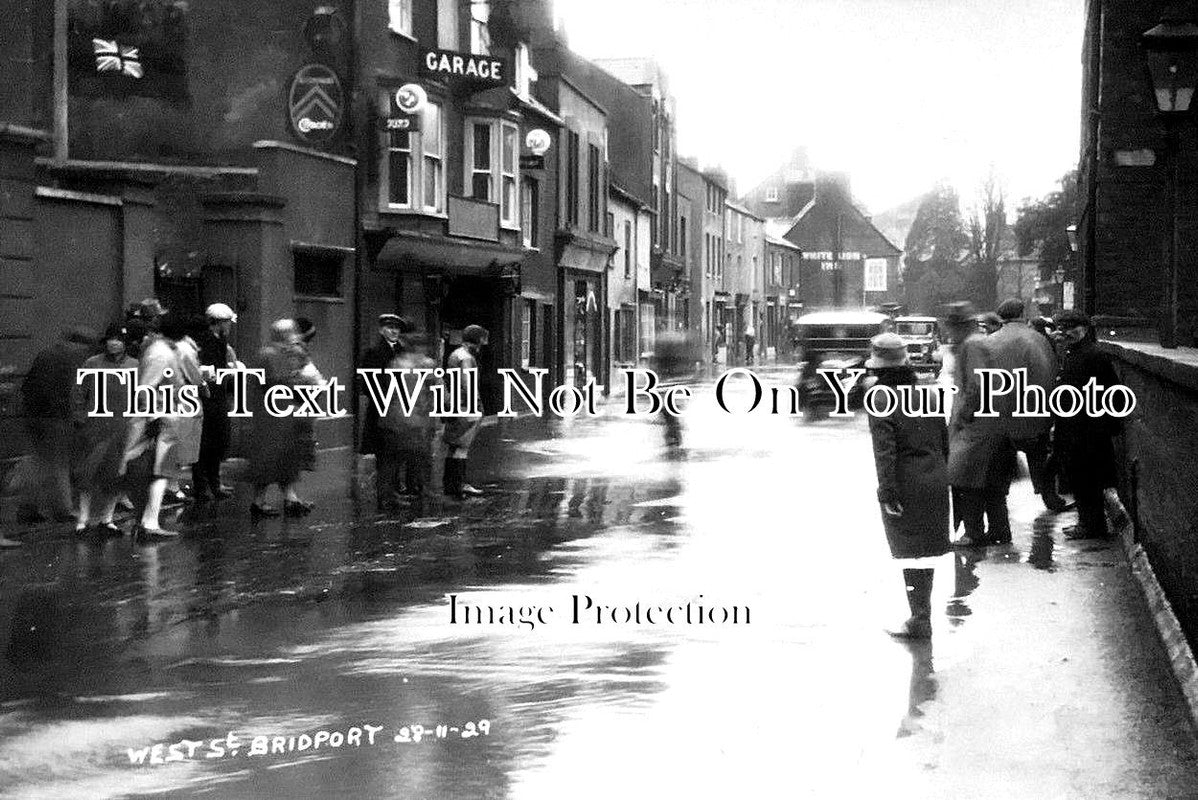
(706,192)
(743,277)
(166,161)
(847,261)
(1123,227)
(781,288)
(1125,237)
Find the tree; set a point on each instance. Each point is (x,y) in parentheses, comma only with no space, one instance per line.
(933,267)
(1041,228)
(987,232)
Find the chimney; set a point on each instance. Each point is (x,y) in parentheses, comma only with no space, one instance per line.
(828,184)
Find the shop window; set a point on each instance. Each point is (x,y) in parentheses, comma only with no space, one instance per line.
(527,326)
(771,194)
(399,13)
(317,274)
(412,173)
(492,152)
(624,334)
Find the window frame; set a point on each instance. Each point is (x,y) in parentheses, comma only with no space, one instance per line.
(573,178)
(629,243)
(417,156)
(404,7)
(480,27)
(499,175)
(530,193)
(594,189)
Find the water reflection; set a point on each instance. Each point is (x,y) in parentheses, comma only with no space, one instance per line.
(1041,554)
(922,688)
(965,581)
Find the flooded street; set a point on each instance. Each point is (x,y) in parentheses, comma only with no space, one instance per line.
(1044,678)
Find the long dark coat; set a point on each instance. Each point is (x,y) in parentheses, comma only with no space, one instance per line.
(277,446)
(1083,445)
(910,454)
(979,454)
(216,352)
(378,357)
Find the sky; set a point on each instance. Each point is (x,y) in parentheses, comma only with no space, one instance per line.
(898,93)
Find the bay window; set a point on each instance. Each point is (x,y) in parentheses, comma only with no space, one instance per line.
(412,170)
(492,169)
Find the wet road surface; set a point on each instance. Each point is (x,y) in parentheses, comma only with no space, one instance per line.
(1044,679)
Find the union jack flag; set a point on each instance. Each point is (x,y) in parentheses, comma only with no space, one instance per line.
(111,57)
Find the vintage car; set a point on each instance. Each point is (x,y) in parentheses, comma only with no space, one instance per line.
(837,340)
(922,335)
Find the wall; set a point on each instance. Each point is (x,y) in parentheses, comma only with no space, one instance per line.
(1128,221)
(314,218)
(215,78)
(1159,458)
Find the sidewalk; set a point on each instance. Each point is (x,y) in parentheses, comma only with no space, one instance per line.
(1062,687)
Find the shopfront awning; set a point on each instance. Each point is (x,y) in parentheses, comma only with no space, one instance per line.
(413,250)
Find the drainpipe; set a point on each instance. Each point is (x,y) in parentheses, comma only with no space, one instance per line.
(1092,109)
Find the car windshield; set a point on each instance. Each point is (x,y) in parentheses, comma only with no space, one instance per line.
(915,328)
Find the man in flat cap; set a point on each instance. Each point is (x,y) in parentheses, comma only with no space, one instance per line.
(215,353)
(388,347)
(1083,444)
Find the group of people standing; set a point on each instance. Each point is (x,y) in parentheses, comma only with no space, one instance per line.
(123,459)
(403,443)
(934,477)
(142,460)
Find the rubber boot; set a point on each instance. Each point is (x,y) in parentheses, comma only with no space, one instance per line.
(919,599)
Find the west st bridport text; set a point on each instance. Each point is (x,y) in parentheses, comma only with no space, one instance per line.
(233,745)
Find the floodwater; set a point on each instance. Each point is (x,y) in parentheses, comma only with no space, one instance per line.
(318,658)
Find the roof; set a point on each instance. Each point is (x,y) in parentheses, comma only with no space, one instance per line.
(741,209)
(778,227)
(638,71)
(845,317)
(780,242)
(627,195)
(539,107)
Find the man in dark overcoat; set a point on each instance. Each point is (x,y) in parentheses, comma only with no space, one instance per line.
(385,350)
(1017,346)
(1083,444)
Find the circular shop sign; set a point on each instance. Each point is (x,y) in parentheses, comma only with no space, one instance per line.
(315,104)
(538,142)
(410,98)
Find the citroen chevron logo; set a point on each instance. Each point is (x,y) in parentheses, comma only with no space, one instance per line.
(314,103)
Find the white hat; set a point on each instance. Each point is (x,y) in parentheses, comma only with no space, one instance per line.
(220,311)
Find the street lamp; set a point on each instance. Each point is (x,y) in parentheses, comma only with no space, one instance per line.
(1172,55)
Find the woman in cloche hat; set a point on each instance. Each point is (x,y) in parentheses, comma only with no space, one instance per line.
(911,456)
